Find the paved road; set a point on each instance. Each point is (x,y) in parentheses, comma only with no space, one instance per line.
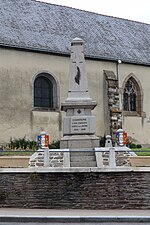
(16,216)
(120,223)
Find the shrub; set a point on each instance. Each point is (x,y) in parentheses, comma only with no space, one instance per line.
(102,141)
(22,143)
(130,144)
(55,145)
(139,146)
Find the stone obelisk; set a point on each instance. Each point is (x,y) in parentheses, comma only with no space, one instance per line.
(79,123)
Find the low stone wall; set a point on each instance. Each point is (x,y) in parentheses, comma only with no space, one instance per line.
(139,161)
(75,188)
(55,159)
(14,161)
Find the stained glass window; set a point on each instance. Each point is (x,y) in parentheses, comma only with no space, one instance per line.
(130,96)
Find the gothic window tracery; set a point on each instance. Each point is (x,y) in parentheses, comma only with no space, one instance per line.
(130,95)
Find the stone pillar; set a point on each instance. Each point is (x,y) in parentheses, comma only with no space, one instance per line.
(79,124)
(112,157)
(112,112)
(46,157)
(108,142)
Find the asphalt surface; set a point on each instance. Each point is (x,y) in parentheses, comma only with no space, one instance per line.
(72,212)
(101,223)
(15,216)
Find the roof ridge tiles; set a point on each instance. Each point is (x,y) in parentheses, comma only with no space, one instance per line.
(83,10)
(48,27)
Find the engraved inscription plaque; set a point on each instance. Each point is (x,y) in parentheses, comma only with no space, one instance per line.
(79,125)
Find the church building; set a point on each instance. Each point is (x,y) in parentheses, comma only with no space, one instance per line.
(35,39)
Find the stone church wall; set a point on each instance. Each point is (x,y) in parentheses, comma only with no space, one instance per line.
(17,73)
(18,118)
(75,190)
(137,126)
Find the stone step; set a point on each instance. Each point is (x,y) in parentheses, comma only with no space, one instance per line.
(39,164)
(80,154)
(40,160)
(82,159)
(81,149)
(32,160)
(39,157)
(83,164)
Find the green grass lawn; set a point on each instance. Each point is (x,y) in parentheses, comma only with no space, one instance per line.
(142,151)
(139,152)
(16,152)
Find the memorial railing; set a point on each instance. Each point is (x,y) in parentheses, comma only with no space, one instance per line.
(105,156)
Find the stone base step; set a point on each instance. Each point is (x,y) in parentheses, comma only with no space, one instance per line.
(82,159)
(84,152)
(83,164)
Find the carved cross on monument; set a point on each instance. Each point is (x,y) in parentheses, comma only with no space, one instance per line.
(79,124)
(78,85)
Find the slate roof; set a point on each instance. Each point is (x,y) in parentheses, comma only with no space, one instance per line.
(33,25)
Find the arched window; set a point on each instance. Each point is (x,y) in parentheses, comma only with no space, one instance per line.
(46,93)
(43,92)
(132,96)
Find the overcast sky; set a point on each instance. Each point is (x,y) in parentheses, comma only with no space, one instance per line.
(138,10)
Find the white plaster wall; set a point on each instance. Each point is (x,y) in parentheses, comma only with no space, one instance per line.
(95,76)
(17,116)
(17,72)
(138,127)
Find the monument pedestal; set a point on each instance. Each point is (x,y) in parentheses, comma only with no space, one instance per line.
(79,141)
(79,125)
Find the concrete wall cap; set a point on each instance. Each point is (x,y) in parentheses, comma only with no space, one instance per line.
(77,40)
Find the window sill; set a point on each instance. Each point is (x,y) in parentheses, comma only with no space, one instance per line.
(44,109)
(132,113)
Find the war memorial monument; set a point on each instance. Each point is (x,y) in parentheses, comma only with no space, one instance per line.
(79,146)
(79,123)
